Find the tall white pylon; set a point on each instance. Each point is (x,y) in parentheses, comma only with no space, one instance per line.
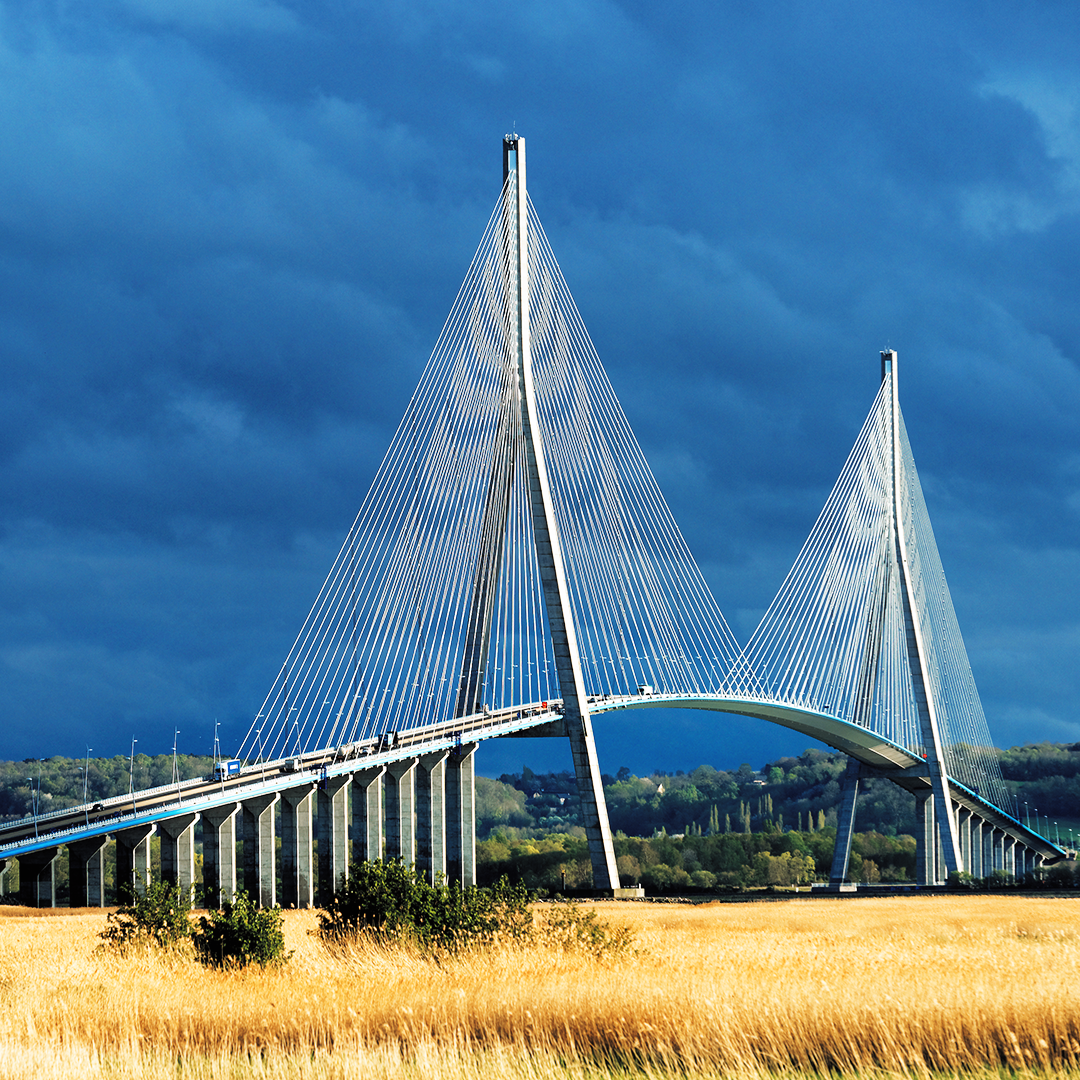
(917,655)
(546,536)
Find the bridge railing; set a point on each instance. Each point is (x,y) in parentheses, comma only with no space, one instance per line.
(111,800)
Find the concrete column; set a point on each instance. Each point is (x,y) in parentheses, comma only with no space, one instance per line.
(975,843)
(461,815)
(845,823)
(5,865)
(37,878)
(333,809)
(260,849)
(297,883)
(963,827)
(988,849)
(1009,855)
(431,817)
(400,800)
(86,872)
(925,839)
(1024,862)
(219,853)
(133,859)
(367,814)
(178,852)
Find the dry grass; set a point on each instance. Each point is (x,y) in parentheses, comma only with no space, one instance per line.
(881,987)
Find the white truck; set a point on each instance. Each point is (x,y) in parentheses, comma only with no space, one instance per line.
(224,769)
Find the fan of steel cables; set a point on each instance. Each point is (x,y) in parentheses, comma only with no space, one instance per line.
(836,639)
(434,606)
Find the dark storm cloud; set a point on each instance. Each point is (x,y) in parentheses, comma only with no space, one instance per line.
(230,232)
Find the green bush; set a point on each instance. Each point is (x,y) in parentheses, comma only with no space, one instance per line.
(160,916)
(392,902)
(241,934)
(387,900)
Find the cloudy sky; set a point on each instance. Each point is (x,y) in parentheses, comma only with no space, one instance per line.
(230,231)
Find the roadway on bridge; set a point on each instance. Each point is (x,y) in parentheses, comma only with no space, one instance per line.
(259,778)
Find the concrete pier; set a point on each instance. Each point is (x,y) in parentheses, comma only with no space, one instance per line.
(133,859)
(845,823)
(400,797)
(431,817)
(963,827)
(297,883)
(260,849)
(86,872)
(178,852)
(461,815)
(975,866)
(925,839)
(37,878)
(333,811)
(219,853)
(367,814)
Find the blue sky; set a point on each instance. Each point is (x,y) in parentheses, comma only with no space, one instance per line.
(230,231)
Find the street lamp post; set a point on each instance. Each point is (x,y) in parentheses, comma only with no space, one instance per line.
(131,776)
(33,803)
(85,781)
(175,769)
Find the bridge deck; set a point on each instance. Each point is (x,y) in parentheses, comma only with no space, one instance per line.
(261,778)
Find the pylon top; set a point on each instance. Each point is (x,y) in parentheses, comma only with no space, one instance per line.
(513,147)
(888,362)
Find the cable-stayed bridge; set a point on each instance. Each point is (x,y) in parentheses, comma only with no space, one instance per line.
(514,569)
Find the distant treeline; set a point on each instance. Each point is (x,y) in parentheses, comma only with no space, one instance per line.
(800,793)
(702,829)
(57,782)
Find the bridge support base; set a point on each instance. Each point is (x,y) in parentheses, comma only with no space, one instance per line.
(431,817)
(37,878)
(133,859)
(260,849)
(925,839)
(86,872)
(219,854)
(400,797)
(461,816)
(593,807)
(367,814)
(963,829)
(977,865)
(333,811)
(297,884)
(845,823)
(178,852)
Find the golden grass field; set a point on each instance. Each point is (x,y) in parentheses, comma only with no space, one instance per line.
(918,986)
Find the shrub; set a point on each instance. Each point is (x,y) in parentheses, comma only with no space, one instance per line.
(240,934)
(393,902)
(159,916)
(567,927)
